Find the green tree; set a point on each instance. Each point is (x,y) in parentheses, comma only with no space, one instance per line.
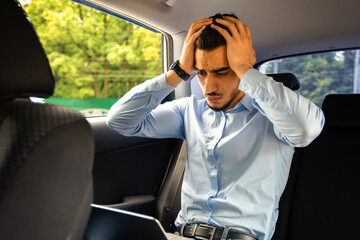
(93,55)
(320,74)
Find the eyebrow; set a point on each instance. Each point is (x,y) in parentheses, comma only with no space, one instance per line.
(214,70)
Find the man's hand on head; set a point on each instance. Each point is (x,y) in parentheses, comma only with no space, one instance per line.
(186,61)
(188,52)
(240,53)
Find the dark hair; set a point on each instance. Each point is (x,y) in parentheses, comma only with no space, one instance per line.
(210,38)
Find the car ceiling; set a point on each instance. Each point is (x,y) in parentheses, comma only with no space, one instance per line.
(279,27)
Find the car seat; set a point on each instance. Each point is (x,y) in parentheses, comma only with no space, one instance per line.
(321,199)
(46,151)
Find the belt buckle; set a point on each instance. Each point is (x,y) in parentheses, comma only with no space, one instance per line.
(188,230)
(212,233)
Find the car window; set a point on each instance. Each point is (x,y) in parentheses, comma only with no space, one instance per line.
(321,74)
(95,57)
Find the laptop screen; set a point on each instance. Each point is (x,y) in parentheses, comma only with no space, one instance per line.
(108,223)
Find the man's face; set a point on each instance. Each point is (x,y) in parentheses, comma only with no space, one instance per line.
(218,82)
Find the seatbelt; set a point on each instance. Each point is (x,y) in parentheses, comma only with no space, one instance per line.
(173,186)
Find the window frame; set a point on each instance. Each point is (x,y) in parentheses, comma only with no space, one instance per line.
(333,50)
(167,46)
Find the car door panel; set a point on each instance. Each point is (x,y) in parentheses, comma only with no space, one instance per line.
(128,171)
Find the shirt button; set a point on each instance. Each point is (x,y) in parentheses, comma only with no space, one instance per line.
(245,86)
(157,86)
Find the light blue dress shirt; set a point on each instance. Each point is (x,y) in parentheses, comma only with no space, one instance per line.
(238,161)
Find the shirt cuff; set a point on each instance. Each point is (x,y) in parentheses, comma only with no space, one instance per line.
(251,80)
(158,83)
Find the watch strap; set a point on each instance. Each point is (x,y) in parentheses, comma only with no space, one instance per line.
(179,71)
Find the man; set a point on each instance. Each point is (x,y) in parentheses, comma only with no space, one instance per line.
(240,138)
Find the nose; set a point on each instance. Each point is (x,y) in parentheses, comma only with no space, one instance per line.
(211,84)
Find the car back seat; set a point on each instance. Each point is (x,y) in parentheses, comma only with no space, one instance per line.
(322,200)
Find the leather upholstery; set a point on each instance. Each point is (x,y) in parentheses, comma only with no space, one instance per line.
(46,151)
(341,111)
(46,154)
(24,67)
(288,79)
(321,200)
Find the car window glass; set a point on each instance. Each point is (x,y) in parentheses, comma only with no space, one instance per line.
(321,74)
(95,58)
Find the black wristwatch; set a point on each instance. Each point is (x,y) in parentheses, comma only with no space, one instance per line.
(181,73)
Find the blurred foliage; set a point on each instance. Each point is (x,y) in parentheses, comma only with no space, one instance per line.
(93,55)
(319,74)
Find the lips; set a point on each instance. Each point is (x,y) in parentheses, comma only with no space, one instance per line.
(213,99)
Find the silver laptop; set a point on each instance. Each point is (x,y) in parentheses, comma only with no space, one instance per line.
(115,224)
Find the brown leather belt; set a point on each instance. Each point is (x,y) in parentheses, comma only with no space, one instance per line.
(208,232)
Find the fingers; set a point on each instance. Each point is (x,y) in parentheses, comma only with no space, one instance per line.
(201,21)
(241,27)
(248,33)
(240,53)
(253,57)
(195,26)
(187,55)
(197,34)
(222,31)
(235,26)
(192,38)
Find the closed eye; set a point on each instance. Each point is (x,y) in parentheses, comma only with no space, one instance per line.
(200,73)
(222,73)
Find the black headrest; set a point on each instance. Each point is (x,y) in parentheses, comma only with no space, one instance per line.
(24,67)
(341,110)
(288,79)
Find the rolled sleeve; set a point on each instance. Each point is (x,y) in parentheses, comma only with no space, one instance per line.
(132,114)
(297,121)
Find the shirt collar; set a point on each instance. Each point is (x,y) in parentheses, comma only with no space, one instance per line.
(245,102)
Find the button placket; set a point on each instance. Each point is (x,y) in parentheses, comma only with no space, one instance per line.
(214,171)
